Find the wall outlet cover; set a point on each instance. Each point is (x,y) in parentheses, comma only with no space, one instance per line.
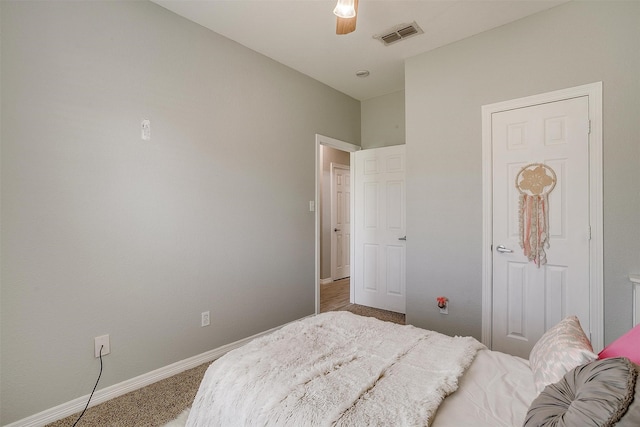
(205,319)
(102,342)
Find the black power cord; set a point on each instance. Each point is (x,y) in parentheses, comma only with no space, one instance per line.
(94,388)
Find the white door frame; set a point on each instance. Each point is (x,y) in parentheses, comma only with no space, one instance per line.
(340,145)
(334,243)
(594,92)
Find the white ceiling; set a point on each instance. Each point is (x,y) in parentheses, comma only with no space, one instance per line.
(301,33)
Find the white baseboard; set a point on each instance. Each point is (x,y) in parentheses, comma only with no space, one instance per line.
(100,396)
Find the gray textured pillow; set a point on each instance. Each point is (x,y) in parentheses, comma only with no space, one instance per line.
(603,393)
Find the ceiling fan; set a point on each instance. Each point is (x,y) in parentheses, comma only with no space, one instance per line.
(346,12)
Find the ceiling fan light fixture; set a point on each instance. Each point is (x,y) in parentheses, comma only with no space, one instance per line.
(345,9)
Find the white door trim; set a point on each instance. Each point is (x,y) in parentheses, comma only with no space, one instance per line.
(594,92)
(340,145)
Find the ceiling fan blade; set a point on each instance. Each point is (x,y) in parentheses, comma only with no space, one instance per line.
(347,25)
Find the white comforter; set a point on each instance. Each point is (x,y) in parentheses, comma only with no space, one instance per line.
(495,391)
(335,369)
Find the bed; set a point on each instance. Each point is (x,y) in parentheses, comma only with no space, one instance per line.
(341,369)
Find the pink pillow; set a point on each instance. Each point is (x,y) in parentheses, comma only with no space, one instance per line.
(627,346)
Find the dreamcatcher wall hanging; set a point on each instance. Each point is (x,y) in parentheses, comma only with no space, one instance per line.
(534,182)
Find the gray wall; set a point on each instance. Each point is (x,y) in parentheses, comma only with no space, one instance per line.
(103,233)
(383,121)
(570,45)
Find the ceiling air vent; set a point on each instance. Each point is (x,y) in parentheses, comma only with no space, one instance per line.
(399,32)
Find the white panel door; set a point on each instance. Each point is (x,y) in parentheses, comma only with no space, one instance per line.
(340,221)
(379,228)
(527,299)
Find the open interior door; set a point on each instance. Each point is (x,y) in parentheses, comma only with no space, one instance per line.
(379,229)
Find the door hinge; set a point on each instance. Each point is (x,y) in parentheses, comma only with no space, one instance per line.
(588,127)
(589,233)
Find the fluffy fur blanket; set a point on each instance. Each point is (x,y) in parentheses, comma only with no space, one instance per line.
(335,369)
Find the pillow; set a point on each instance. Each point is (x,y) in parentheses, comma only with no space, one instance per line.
(603,393)
(627,346)
(559,350)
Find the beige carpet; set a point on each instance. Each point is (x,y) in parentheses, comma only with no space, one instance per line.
(162,402)
(387,316)
(150,406)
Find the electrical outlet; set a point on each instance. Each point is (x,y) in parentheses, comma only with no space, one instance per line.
(146,130)
(204,319)
(101,342)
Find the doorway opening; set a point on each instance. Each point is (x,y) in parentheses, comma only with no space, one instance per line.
(340,293)
(333,245)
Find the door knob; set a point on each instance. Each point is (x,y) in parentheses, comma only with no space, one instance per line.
(503,250)
(402,238)
(336,229)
